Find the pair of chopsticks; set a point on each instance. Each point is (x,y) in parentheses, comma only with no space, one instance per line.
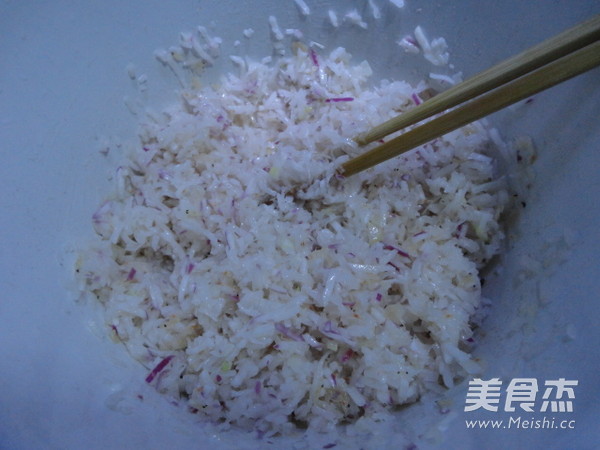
(547,64)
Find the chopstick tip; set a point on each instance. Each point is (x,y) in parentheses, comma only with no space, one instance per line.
(361,139)
(340,174)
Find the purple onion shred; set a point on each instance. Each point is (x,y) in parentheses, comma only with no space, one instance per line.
(288,333)
(339,99)
(397,250)
(314,58)
(394,266)
(159,367)
(327,328)
(131,274)
(347,355)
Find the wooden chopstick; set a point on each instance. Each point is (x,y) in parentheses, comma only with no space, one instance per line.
(533,58)
(572,52)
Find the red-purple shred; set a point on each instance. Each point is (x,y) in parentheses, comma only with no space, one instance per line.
(378,297)
(131,274)
(314,58)
(159,367)
(339,99)
(347,355)
(416,99)
(98,216)
(411,41)
(288,333)
(328,329)
(189,268)
(394,266)
(397,250)
(257,387)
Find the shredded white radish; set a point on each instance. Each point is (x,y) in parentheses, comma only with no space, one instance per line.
(265,290)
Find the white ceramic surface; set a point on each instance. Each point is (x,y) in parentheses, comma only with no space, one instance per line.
(62,84)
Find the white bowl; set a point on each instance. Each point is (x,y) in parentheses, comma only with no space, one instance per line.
(62,85)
